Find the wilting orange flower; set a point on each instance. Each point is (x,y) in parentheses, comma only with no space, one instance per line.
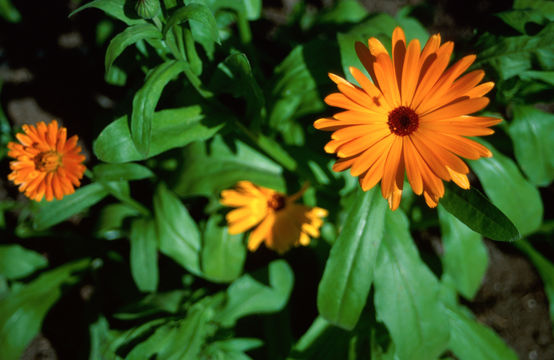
(46,164)
(412,118)
(278,220)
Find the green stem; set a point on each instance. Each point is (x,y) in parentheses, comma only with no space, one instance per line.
(192,55)
(195,81)
(244,28)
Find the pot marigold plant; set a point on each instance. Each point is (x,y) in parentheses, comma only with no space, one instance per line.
(413,117)
(193,236)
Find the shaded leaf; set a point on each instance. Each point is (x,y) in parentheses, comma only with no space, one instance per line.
(223,254)
(532,132)
(407,295)
(465,257)
(178,234)
(545,269)
(110,221)
(470,340)
(247,296)
(348,274)
(202,23)
(54,212)
(17,262)
(144,254)
(22,312)
(478,213)
(517,198)
(208,169)
(170,129)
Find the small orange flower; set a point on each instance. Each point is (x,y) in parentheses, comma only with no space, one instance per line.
(46,164)
(413,118)
(278,220)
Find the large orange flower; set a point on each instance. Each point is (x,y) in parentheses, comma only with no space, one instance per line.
(278,220)
(412,118)
(46,164)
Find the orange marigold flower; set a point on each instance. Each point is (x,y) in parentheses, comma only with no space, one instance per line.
(278,220)
(46,164)
(413,118)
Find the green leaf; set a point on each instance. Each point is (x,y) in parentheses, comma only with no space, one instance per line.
(146,99)
(22,312)
(232,349)
(17,262)
(223,254)
(322,341)
(518,19)
(545,269)
(127,37)
(299,84)
(178,234)
(110,221)
(153,304)
(121,172)
(234,75)
(195,11)
(478,213)
(144,254)
(407,295)
(9,12)
(532,132)
(182,339)
(208,169)
(470,340)
(510,56)
(170,129)
(465,256)
(348,274)
(346,11)
(54,212)
(516,197)
(247,296)
(115,8)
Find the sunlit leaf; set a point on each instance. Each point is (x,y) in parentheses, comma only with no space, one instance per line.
(348,274)
(532,132)
(478,213)
(17,262)
(116,8)
(22,312)
(127,37)
(178,234)
(509,190)
(407,295)
(170,128)
(223,254)
(247,296)
(465,256)
(145,101)
(54,212)
(119,172)
(144,254)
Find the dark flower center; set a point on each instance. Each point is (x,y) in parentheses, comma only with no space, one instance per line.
(47,161)
(403,121)
(277,202)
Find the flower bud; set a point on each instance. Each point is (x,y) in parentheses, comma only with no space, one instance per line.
(147,9)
